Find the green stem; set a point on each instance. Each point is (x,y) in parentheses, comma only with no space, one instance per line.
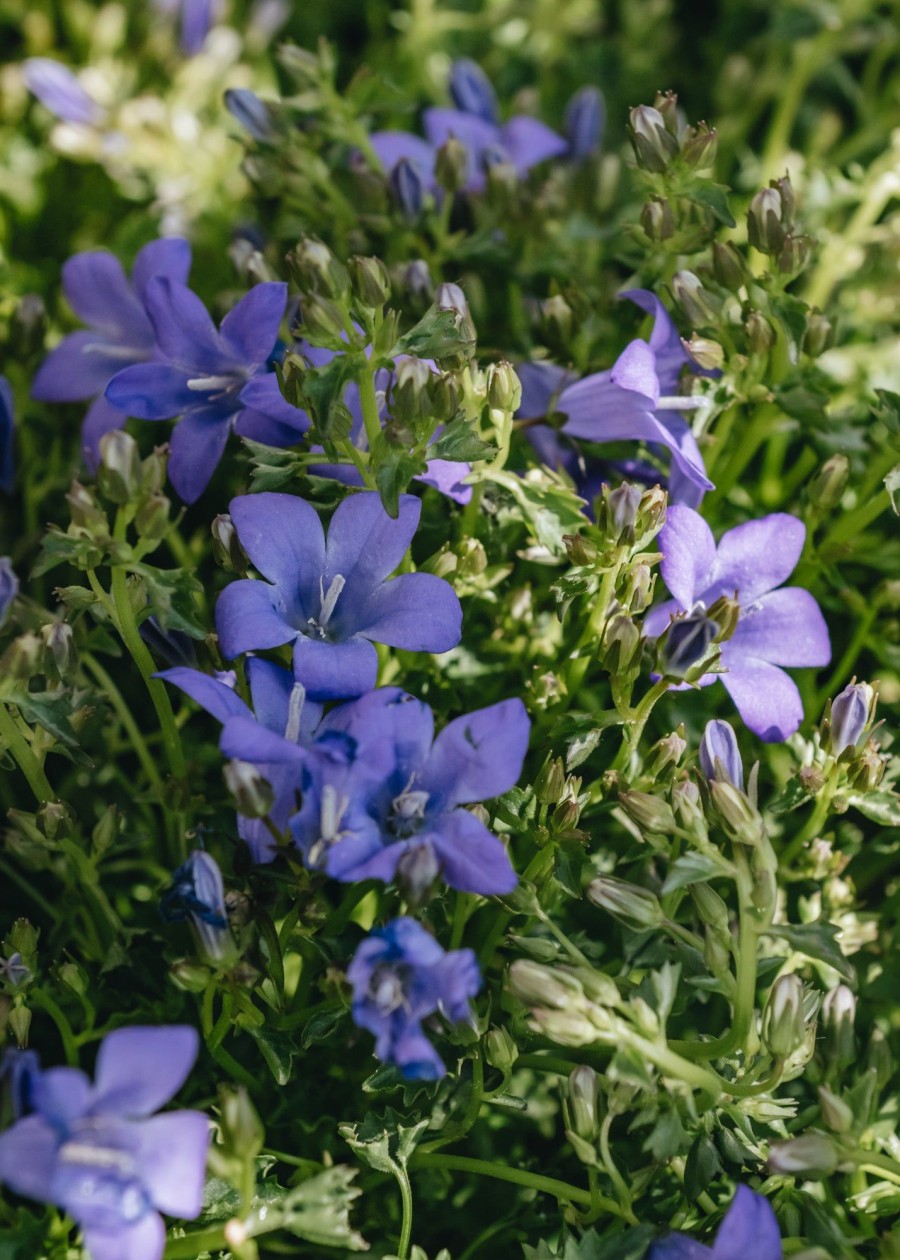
(46,1003)
(816,820)
(883,1163)
(193,1245)
(25,758)
(561,1190)
(637,722)
(621,1187)
(369,405)
(124,715)
(407,1204)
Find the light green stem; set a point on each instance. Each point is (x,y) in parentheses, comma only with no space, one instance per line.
(560,1190)
(25,758)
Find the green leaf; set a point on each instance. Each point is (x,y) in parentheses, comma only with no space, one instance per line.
(171,598)
(278,1051)
(459,441)
(322,1024)
(50,709)
(318,1210)
(881,807)
(892,485)
(395,468)
(550,506)
(668,1136)
(818,941)
(701,1167)
(438,335)
(715,198)
(568,863)
(691,868)
(383,1142)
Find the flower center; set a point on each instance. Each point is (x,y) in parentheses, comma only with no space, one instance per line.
(387,987)
(96,1180)
(407,811)
(328,600)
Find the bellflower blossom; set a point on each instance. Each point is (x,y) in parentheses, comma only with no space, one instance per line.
(523,141)
(748,1232)
(585,123)
(97,1151)
(197,895)
(333,600)
(195,17)
(204,372)
(281,709)
(634,401)
(119,333)
(7,436)
(401,975)
(720,756)
(397,809)
(776,627)
(58,90)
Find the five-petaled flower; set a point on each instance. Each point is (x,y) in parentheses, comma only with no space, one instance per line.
(748,1232)
(203,374)
(333,600)
(98,1151)
(401,975)
(776,627)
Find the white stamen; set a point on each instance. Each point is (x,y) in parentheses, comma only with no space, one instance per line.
(330,597)
(678,402)
(295,713)
(205,384)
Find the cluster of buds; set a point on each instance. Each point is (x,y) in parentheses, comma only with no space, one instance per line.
(771,228)
(627,518)
(572,1006)
(124,478)
(560,794)
(661,139)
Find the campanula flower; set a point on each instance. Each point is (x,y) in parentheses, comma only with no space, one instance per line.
(281,711)
(333,600)
(246,108)
(98,1151)
(400,975)
(7,436)
(197,895)
(202,375)
(19,1070)
(720,756)
(776,627)
(9,588)
(57,88)
(195,19)
(851,711)
(748,1232)
(14,971)
(397,810)
(584,124)
(119,334)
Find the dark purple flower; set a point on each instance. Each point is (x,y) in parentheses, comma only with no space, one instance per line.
(119,332)
(401,975)
(281,712)
(748,1232)
(196,18)
(9,588)
(7,436)
(472,90)
(776,627)
(57,88)
(396,809)
(252,114)
(97,1151)
(204,372)
(197,895)
(720,756)
(585,120)
(19,1070)
(333,601)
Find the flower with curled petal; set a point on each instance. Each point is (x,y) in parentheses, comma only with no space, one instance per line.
(748,1232)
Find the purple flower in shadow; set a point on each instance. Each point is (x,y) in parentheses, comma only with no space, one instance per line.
(333,600)
(401,975)
(748,1232)
(98,1151)
(204,372)
(776,628)
(7,437)
(196,17)
(119,334)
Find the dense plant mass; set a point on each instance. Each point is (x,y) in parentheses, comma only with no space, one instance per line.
(404,430)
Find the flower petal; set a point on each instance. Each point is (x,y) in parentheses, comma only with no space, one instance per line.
(635,369)
(392,146)
(57,88)
(27,1157)
(270,690)
(416,611)
(679,1247)
(759,555)
(749,1231)
(262,428)
(446,476)
(197,444)
(335,671)
(61,1095)
(145,1240)
(766,698)
(262,393)
(283,536)
(658,618)
(250,617)
(172,1158)
(141,1068)
(529,141)
(98,291)
(170,256)
(217,698)
(472,858)
(689,554)
(246,739)
(786,627)
(665,341)
(365,545)
(250,330)
(151,391)
(476,134)
(480,755)
(79,367)
(184,331)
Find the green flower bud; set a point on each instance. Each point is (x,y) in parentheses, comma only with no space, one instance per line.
(654,144)
(23,659)
(452,165)
(27,328)
(537,985)
(698,147)
(782,1024)
(838,1015)
(866,770)
(227,549)
(410,393)
(793,255)
(20,1022)
(323,322)
(314,269)
(666,752)
(667,105)
(55,820)
(152,519)
(551,781)
(106,831)
(242,1129)
(736,811)
(504,389)
(813,1154)
(634,907)
(370,280)
(252,794)
(837,1114)
(556,319)
(584,1102)
(712,909)
(581,549)
(728,266)
(500,1050)
(153,472)
(726,613)
(639,584)
(86,511)
(657,219)
(189,976)
(621,647)
(59,642)
(120,466)
(705,352)
(766,220)
(760,333)
(716,953)
(827,487)
(701,306)
(651,813)
(819,335)
(688,807)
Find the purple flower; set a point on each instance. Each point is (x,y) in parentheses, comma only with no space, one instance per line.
(9,588)
(472,90)
(333,601)
(246,108)
(7,437)
(57,88)
(585,120)
(850,713)
(196,18)
(119,332)
(197,895)
(97,1151)
(748,1232)
(203,375)
(281,713)
(396,810)
(19,1070)
(776,627)
(401,975)
(720,756)
(634,401)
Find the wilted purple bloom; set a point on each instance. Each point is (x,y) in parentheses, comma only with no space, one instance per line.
(196,18)
(850,712)
(720,756)
(7,436)
(333,601)
(57,88)
(401,975)
(748,1232)
(776,627)
(585,120)
(197,895)
(204,372)
(119,332)
(280,711)
(396,811)
(97,1151)
(9,588)
(247,109)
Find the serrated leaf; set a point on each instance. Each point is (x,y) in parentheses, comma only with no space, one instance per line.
(318,1210)
(459,441)
(438,335)
(817,941)
(51,710)
(715,198)
(701,1167)
(550,506)
(690,868)
(881,807)
(793,796)
(383,1142)
(394,468)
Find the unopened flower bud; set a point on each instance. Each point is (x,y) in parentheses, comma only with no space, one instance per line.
(548,786)
(27,327)
(654,145)
(698,147)
(701,306)
(635,907)
(55,820)
(711,909)
(621,644)
(416,280)
(837,1114)
(716,953)
(556,318)
(450,297)
(622,509)
(766,221)
(242,1129)
(252,794)
(9,588)
(417,870)
(782,1023)
(500,1050)
(59,641)
(838,1015)
(581,549)
(249,111)
(227,549)
(22,659)
(189,975)
(323,322)
(705,352)
(20,1022)
(638,593)
(583,1096)
(370,280)
(736,811)
(688,806)
(720,756)
(819,335)
(828,485)
(407,189)
(793,254)
(667,105)
(728,266)
(152,519)
(472,91)
(451,166)
(504,389)
(584,122)
(86,511)
(666,752)
(851,712)
(651,813)
(538,985)
(120,466)
(315,269)
(726,613)
(685,644)
(811,1154)
(867,769)
(657,219)
(760,333)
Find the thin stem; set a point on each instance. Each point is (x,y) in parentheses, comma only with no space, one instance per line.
(46,1003)
(193,1245)
(407,1204)
(124,715)
(621,1187)
(369,405)
(637,722)
(561,1190)
(25,758)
